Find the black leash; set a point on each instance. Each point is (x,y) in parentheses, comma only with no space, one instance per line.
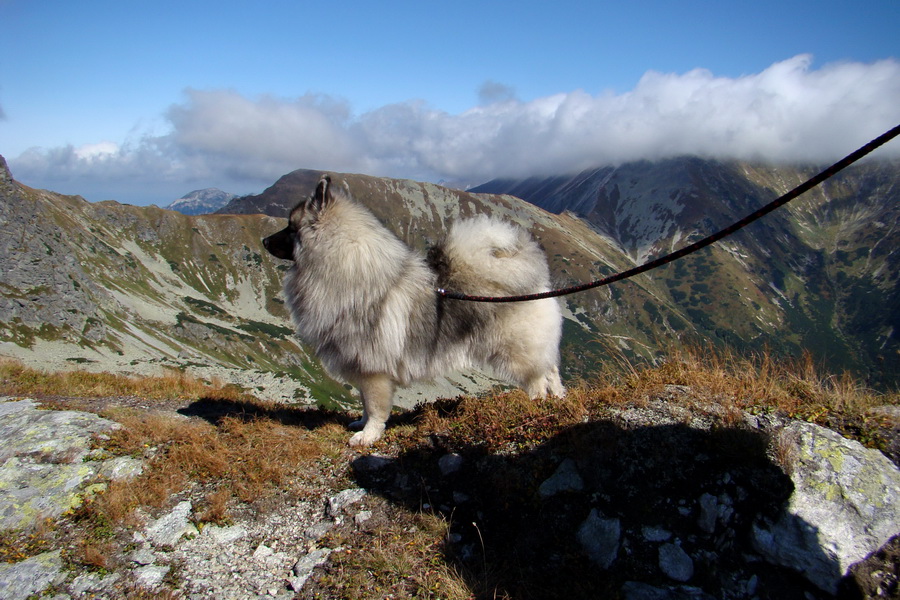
(778,202)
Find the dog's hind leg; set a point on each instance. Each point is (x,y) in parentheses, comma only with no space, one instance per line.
(377,396)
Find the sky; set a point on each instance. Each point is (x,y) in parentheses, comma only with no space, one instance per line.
(143,102)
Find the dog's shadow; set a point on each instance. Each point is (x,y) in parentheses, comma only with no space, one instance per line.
(214,410)
(587,513)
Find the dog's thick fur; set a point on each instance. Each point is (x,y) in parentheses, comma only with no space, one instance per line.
(367,303)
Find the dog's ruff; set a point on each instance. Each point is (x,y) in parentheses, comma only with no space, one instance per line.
(366,302)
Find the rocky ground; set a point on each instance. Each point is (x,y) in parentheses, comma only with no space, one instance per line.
(651,502)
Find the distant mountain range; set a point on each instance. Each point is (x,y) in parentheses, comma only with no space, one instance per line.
(201,202)
(138,287)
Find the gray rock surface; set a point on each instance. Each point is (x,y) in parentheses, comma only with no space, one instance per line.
(675,562)
(565,479)
(32,576)
(43,466)
(168,529)
(599,537)
(845,505)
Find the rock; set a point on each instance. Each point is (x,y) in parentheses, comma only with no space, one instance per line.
(708,513)
(845,505)
(269,557)
(343,499)
(143,557)
(675,563)
(42,473)
(634,590)
(450,463)
(600,538)
(225,535)
(565,479)
(122,467)
(32,576)
(318,530)
(151,576)
(92,584)
(371,463)
(656,534)
(168,529)
(304,567)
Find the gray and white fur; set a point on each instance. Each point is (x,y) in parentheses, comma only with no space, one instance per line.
(367,303)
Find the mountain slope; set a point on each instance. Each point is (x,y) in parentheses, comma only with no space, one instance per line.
(132,289)
(135,288)
(819,275)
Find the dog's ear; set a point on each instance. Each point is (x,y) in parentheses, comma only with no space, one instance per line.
(323,196)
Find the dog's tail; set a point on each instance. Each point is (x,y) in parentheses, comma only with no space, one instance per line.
(490,257)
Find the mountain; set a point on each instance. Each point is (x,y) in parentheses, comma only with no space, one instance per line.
(819,275)
(135,288)
(201,202)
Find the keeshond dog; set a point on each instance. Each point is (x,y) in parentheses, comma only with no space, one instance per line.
(368,305)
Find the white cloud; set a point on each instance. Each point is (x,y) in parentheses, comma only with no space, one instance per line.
(90,152)
(788,112)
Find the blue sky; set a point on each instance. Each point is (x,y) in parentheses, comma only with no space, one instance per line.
(144,102)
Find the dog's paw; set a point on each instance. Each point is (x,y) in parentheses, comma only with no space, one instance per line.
(366,437)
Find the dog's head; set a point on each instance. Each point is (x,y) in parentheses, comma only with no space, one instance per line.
(281,245)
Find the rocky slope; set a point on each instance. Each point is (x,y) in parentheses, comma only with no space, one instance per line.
(651,500)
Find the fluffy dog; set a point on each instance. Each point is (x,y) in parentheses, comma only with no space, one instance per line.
(367,303)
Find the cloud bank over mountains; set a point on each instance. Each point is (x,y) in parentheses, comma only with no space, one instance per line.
(787,112)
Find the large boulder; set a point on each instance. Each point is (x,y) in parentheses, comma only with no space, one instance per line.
(43,471)
(845,505)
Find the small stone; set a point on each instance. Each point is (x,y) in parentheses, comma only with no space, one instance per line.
(600,538)
(143,557)
(343,499)
(150,576)
(656,534)
(450,463)
(362,516)
(371,463)
(565,479)
(225,535)
(122,467)
(675,563)
(168,529)
(708,513)
(460,498)
(752,584)
(304,567)
(317,531)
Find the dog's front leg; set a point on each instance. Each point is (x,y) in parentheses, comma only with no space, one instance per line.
(377,396)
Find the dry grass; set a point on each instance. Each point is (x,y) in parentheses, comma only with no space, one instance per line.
(242,460)
(718,383)
(402,560)
(19,380)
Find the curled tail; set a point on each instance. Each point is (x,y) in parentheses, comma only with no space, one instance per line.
(489,256)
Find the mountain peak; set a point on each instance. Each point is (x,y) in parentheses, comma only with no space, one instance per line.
(201,202)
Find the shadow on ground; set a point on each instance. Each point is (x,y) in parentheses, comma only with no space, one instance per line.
(512,537)
(214,410)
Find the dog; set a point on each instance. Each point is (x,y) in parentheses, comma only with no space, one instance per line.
(368,304)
